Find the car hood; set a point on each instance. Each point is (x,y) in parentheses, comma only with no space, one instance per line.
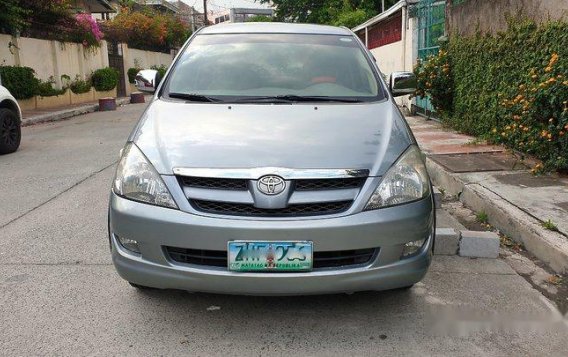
(299,136)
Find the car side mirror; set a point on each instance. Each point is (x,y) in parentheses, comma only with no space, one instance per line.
(147,80)
(402,83)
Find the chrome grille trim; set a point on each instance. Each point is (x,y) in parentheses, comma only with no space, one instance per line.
(256,173)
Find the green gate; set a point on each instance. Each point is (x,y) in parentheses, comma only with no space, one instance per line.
(431,16)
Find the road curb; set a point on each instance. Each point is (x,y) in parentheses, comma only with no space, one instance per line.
(550,247)
(67,113)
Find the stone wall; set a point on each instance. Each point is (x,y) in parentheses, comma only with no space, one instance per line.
(467,17)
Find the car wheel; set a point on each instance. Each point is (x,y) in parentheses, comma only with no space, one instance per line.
(10,131)
(140,287)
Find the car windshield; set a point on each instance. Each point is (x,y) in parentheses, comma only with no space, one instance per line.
(273,67)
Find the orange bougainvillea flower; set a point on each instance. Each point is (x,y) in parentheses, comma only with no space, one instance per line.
(553,59)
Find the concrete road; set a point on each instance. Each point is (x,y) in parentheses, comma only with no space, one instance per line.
(60,295)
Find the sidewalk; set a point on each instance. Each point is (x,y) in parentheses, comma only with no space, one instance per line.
(31,117)
(488,178)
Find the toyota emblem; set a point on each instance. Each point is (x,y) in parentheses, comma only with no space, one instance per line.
(271,185)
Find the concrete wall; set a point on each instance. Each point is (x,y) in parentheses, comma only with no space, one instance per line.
(389,57)
(144,59)
(490,16)
(54,59)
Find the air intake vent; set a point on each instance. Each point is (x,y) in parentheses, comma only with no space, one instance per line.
(329,184)
(218,258)
(215,183)
(243,209)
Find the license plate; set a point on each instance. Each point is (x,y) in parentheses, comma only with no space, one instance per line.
(270,256)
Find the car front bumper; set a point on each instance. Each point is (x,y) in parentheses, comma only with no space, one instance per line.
(387,229)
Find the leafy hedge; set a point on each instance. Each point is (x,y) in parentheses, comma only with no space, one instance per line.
(79,86)
(162,69)
(20,81)
(132,72)
(45,88)
(511,88)
(105,79)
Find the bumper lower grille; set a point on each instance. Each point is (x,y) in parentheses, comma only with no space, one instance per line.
(329,184)
(243,209)
(218,258)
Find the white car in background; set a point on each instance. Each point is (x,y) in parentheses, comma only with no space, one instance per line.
(10,122)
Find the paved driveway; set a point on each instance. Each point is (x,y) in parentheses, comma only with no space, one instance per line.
(60,295)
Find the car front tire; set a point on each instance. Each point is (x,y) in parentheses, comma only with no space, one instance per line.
(10,131)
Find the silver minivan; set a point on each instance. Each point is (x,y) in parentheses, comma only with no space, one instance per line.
(273,160)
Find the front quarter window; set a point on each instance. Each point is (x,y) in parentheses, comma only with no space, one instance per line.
(233,67)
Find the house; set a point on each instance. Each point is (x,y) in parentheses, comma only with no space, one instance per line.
(99,9)
(392,38)
(241,14)
(190,16)
(389,37)
(158,5)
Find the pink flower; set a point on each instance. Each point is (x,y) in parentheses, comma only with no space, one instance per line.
(90,24)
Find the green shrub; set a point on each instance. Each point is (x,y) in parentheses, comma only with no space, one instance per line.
(20,81)
(511,88)
(65,80)
(161,69)
(259,18)
(132,72)
(105,79)
(434,79)
(79,86)
(45,88)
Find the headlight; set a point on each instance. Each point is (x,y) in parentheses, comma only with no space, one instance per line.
(406,181)
(136,179)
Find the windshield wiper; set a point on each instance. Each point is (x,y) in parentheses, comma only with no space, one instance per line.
(290,98)
(193,97)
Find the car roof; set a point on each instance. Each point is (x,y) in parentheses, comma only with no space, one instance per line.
(274,27)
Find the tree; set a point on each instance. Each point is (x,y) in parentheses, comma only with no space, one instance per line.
(333,12)
(12,16)
(259,18)
(146,30)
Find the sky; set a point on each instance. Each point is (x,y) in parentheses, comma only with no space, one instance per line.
(220,5)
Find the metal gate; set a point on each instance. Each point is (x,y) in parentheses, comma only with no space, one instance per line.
(431,15)
(116,61)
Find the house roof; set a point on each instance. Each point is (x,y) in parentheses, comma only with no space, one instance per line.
(385,14)
(163,4)
(99,6)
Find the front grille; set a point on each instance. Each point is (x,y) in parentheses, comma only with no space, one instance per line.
(215,183)
(243,209)
(218,258)
(329,184)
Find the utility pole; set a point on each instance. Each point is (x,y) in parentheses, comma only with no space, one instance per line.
(382,3)
(205,12)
